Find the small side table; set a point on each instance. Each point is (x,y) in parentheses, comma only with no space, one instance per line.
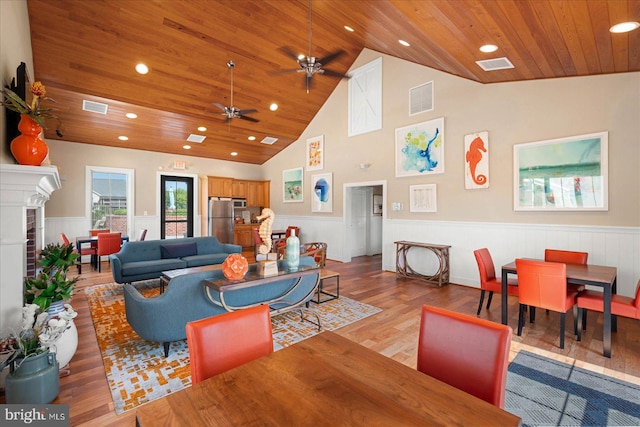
(403,269)
(327,274)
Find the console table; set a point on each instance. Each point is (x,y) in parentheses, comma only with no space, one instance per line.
(403,269)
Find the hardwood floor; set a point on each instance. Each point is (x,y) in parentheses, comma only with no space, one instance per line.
(392,332)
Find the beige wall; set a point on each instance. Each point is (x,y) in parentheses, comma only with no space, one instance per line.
(513,113)
(15,47)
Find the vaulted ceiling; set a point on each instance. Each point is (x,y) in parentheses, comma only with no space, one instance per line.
(87,50)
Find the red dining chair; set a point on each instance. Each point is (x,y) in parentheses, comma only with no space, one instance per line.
(143,235)
(488,280)
(544,284)
(567,257)
(465,352)
(94,232)
(85,251)
(225,341)
(108,243)
(280,243)
(594,300)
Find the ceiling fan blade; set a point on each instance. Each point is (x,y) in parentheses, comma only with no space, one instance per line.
(241,112)
(289,52)
(331,73)
(293,70)
(251,119)
(220,106)
(331,57)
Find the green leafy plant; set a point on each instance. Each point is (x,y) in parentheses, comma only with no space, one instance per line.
(51,283)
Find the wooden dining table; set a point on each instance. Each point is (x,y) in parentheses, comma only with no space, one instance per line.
(579,274)
(323,380)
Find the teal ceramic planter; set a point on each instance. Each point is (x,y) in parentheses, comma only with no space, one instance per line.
(33,380)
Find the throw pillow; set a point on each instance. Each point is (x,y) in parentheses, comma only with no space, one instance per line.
(178,250)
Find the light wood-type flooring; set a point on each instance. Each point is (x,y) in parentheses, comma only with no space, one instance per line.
(392,332)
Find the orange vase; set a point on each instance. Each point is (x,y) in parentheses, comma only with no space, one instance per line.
(28,148)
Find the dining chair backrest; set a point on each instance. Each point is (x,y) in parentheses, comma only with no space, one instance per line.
(64,239)
(109,243)
(570,257)
(485,266)
(96,231)
(317,250)
(543,284)
(225,341)
(466,352)
(290,230)
(143,235)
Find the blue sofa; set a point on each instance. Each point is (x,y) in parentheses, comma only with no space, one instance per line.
(164,318)
(147,259)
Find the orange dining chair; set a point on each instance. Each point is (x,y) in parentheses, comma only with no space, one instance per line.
(544,284)
(86,251)
(108,243)
(594,300)
(225,341)
(143,235)
(283,242)
(567,257)
(488,280)
(465,352)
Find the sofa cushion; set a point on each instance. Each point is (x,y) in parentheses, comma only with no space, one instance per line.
(158,265)
(205,259)
(178,250)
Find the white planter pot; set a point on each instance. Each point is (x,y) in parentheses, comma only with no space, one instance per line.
(66,346)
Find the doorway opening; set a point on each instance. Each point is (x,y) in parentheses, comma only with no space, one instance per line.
(177,210)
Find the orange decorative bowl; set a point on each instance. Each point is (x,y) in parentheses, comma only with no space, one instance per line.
(235,267)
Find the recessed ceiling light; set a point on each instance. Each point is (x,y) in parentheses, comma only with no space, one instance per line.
(233,153)
(186,147)
(251,138)
(123,138)
(142,69)
(625,27)
(132,115)
(348,28)
(403,43)
(202,129)
(273,107)
(488,48)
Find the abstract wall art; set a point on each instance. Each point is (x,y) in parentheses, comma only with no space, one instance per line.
(564,174)
(476,160)
(422,198)
(292,185)
(420,148)
(322,192)
(315,153)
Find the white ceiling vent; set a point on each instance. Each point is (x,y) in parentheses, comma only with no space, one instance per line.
(269,140)
(421,98)
(495,64)
(196,138)
(94,107)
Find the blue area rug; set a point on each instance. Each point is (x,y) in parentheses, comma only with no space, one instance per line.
(545,392)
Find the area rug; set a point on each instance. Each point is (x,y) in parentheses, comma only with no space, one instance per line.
(137,371)
(545,392)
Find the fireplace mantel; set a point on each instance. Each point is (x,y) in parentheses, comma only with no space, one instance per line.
(21,188)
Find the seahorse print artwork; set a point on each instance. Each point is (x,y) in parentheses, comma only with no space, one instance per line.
(267,216)
(477,159)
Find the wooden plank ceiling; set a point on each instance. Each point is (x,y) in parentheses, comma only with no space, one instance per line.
(87,50)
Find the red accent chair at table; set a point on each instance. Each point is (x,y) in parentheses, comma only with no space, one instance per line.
(225,341)
(488,280)
(281,243)
(86,251)
(567,257)
(465,352)
(544,284)
(108,243)
(594,300)
(94,232)
(143,235)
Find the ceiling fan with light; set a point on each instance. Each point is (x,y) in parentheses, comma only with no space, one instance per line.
(232,112)
(310,65)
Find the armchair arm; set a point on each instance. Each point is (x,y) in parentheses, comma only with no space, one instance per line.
(116,268)
(230,248)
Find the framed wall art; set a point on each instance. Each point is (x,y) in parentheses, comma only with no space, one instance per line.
(422,198)
(476,160)
(322,192)
(564,174)
(292,185)
(420,148)
(315,153)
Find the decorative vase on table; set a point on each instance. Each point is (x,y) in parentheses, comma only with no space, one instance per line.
(34,379)
(292,251)
(28,148)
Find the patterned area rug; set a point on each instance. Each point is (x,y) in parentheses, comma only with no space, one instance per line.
(545,392)
(138,372)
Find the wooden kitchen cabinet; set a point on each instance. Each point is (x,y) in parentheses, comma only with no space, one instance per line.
(258,193)
(220,187)
(243,236)
(239,189)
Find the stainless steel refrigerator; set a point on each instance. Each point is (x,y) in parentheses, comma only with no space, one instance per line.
(221,219)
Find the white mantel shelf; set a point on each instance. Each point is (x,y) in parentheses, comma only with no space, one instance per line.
(27,186)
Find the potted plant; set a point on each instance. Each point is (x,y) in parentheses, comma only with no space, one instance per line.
(51,284)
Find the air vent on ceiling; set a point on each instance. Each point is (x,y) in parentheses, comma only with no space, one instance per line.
(196,138)
(495,64)
(421,98)
(94,107)
(269,140)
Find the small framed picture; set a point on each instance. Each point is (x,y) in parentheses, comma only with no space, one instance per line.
(292,185)
(322,192)
(422,198)
(315,153)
